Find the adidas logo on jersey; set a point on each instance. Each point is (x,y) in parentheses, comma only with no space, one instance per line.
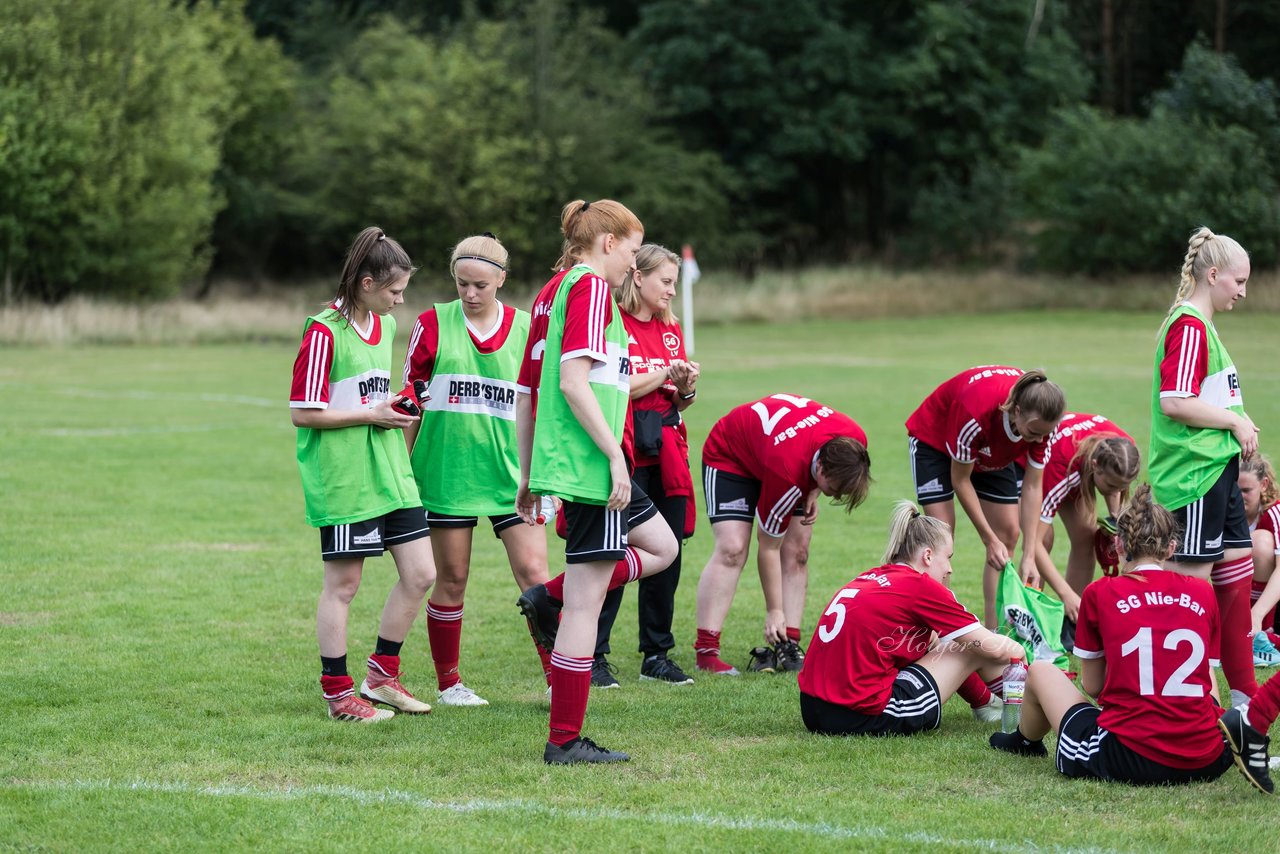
(934,485)
(739,504)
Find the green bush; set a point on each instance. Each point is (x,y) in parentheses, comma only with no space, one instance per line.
(489,129)
(109,138)
(1106,195)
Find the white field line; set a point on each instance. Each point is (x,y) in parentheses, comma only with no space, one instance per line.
(365,797)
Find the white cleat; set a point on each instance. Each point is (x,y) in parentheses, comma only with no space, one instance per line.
(460,695)
(990,711)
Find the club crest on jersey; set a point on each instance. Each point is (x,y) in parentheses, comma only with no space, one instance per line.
(671,341)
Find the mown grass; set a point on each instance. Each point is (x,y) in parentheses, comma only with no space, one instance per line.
(157,611)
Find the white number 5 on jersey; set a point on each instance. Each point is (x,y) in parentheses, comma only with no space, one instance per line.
(837,608)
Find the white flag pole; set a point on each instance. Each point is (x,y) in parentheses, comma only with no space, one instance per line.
(689,273)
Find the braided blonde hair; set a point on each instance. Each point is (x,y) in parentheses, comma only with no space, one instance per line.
(1204,250)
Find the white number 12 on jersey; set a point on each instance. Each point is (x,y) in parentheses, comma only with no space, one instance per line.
(1176,685)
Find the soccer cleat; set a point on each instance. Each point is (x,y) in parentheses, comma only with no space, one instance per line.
(581,750)
(356,710)
(458,694)
(1013,742)
(659,668)
(543,616)
(387,690)
(989,712)
(789,657)
(763,660)
(716,667)
(1249,749)
(1265,653)
(602,673)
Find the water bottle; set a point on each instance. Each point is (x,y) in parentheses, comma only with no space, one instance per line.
(1015,685)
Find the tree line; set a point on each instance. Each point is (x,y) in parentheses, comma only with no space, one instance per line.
(145,143)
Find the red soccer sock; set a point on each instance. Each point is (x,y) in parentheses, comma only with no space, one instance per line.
(793,634)
(387,665)
(444,630)
(570,687)
(707,647)
(626,570)
(974,691)
(555,588)
(545,658)
(995,686)
(1265,705)
(1231,583)
(337,687)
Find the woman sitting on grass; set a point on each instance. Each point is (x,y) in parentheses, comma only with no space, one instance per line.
(875,665)
(1146,640)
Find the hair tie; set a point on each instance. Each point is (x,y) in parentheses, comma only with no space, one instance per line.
(478,258)
(489,234)
(584,207)
(382,235)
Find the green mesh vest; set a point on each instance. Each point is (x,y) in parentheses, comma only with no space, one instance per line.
(566,462)
(1186,461)
(350,474)
(465,457)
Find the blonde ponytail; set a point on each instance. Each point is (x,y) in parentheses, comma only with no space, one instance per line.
(910,531)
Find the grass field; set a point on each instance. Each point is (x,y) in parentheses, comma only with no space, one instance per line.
(157,600)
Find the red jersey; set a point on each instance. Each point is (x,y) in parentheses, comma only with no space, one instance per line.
(310,388)
(1186,358)
(1269,520)
(775,440)
(586,316)
(1061,469)
(963,417)
(1158,632)
(424,342)
(876,625)
(653,346)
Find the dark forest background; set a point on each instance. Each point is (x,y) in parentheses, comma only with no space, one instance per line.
(147,147)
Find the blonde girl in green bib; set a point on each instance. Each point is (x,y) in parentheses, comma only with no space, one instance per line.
(356,479)
(464,451)
(1199,433)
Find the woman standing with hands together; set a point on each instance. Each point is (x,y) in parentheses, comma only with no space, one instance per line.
(663,384)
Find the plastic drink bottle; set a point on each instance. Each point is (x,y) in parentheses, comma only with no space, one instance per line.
(1015,685)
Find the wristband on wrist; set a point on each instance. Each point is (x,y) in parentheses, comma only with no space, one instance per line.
(690,396)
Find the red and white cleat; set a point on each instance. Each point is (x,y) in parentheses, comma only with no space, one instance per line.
(356,710)
(387,690)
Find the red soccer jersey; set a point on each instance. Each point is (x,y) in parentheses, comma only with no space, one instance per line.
(1269,520)
(586,316)
(775,440)
(310,389)
(1061,470)
(1158,632)
(876,625)
(963,417)
(424,343)
(1186,358)
(653,346)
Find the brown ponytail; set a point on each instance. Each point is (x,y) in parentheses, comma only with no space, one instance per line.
(371,254)
(1034,394)
(582,222)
